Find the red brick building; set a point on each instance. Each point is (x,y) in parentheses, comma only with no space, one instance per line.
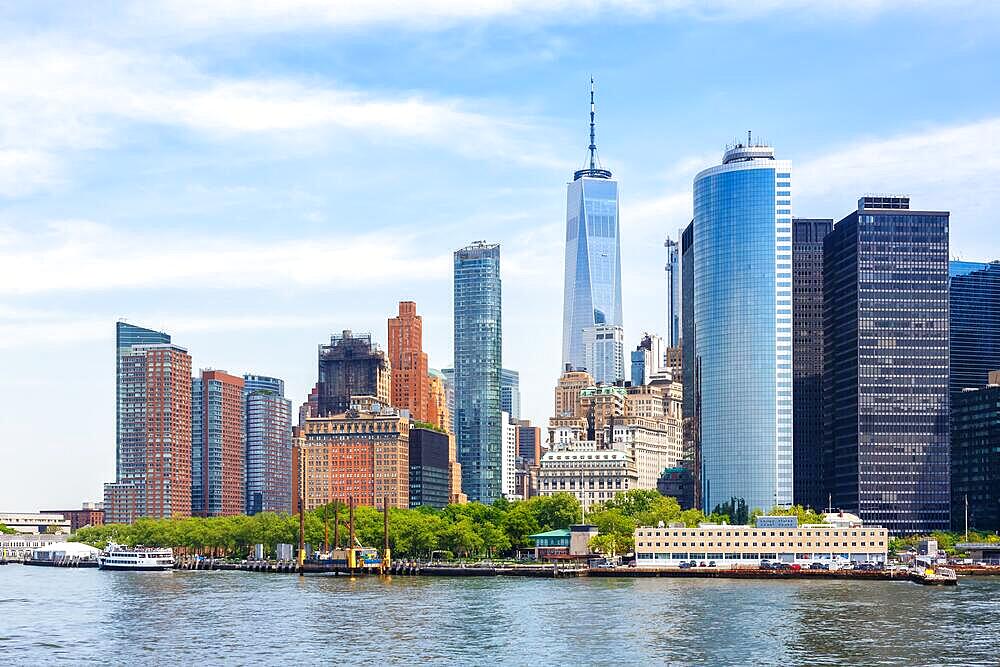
(408,361)
(91,514)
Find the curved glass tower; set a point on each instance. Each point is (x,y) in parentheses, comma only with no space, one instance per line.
(743,316)
(593,279)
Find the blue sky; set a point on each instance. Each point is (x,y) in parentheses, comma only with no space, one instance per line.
(255,175)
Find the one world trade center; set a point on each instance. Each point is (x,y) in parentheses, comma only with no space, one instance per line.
(592,302)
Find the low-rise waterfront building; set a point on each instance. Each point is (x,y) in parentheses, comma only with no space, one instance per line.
(34,523)
(20,545)
(841,537)
(564,543)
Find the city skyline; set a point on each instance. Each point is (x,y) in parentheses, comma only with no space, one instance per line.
(187,162)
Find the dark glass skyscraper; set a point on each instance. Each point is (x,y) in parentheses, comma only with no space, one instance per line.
(975,326)
(593,272)
(975,457)
(689,372)
(807,353)
(510,393)
(351,365)
(885,373)
(477,369)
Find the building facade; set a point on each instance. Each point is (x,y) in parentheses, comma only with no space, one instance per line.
(678,483)
(509,461)
(410,384)
(429,468)
(837,539)
(510,393)
(592,474)
(567,393)
(593,292)
(974,314)
(478,338)
(438,412)
(268,429)
(218,450)
(364,455)
(90,514)
(885,379)
(351,366)
(674,283)
(807,355)
(743,321)
(975,457)
(153,439)
(529,441)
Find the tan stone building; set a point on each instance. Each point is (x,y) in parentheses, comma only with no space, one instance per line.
(567,393)
(840,538)
(591,474)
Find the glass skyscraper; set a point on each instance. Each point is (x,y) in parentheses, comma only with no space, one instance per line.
(885,367)
(268,430)
(674,282)
(974,314)
(807,350)
(477,370)
(743,320)
(510,393)
(593,277)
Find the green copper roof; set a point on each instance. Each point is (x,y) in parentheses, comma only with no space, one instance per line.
(559,532)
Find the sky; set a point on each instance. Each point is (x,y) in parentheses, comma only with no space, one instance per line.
(253,176)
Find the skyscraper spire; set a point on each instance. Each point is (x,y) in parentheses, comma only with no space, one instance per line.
(592,169)
(593,144)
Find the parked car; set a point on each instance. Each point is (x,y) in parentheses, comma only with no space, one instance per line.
(711,563)
(702,564)
(766,565)
(819,566)
(684,565)
(795,566)
(782,566)
(845,566)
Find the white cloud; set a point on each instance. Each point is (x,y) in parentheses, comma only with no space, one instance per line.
(58,97)
(87,256)
(199,18)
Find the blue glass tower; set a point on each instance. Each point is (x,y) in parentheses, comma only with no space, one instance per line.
(593,278)
(743,319)
(268,432)
(974,314)
(477,369)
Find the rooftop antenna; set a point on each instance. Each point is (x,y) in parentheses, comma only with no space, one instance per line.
(748,138)
(593,144)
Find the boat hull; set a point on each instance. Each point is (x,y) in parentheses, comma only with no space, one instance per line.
(136,568)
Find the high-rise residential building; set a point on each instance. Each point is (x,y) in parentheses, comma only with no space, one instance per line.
(478,337)
(410,386)
(604,352)
(975,457)
(567,393)
(153,439)
(529,442)
(807,355)
(593,274)
(510,393)
(363,454)
(438,413)
(974,297)
(743,323)
(268,428)
(429,468)
(351,365)
(448,379)
(674,296)
(885,373)
(218,452)
(509,458)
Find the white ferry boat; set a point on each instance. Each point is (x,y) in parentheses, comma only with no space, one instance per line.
(118,557)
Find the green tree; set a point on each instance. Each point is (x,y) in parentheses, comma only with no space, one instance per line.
(520,522)
(4,530)
(560,510)
(494,539)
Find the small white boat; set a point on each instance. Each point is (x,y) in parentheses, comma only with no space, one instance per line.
(118,557)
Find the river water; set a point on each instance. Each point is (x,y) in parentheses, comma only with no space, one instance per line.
(54,615)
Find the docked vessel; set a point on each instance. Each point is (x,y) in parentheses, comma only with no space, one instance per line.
(118,557)
(929,576)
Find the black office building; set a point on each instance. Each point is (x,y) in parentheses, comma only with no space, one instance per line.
(807,359)
(690,376)
(428,468)
(975,457)
(885,372)
(975,326)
